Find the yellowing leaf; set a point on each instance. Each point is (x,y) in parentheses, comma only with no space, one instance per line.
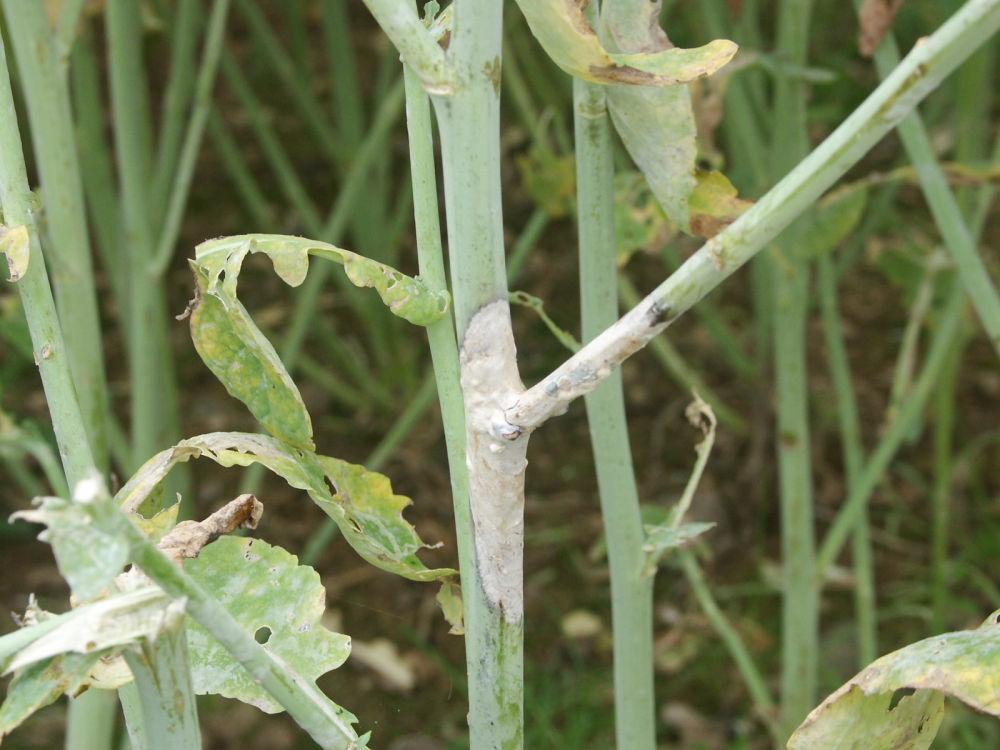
(550,180)
(963,665)
(16,245)
(449,598)
(364,506)
(560,27)
(714,204)
(40,684)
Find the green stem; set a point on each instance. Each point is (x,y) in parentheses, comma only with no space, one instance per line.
(68,251)
(192,139)
(91,719)
(790,284)
(631,588)
(853,456)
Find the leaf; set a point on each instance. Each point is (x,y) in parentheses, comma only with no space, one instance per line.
(661,539)
(550,180)
(714,204)
(87,556)
(961,665)
(16,245)
(272,597)
(832,222)
(119,620)
(159,524)
(407,297)
(560,27)
(368,513)
(658,129)
(244,361)
(449,598)
(640,223)
(40,684)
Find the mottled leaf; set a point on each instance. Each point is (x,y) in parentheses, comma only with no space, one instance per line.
(15,244)
(405,296)
(550,180)
(364,506)
(156,526)
(832,221)
(560,27)
(272,597)
(40,684)
(640,223)
(964,665)
(244,361)
(88,557)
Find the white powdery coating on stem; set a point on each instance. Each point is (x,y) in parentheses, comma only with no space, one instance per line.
(496,465)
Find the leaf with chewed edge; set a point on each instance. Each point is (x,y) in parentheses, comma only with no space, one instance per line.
(272,597)
(364,506)
(964,665)
(563,31)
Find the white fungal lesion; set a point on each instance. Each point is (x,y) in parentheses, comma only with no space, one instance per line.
(496,457)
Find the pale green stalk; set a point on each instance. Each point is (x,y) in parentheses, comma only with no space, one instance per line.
(790,284)
(342,68)
(944,207)
(68,247)
(525,243)
(481,623)
(91,719)
(631,587)
(67,26)
(852,451)
(184,173)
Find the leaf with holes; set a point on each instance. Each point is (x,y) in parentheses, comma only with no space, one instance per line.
(563,31)
(863,713)
(272,597)
(364,506)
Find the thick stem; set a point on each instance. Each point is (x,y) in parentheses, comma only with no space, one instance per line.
(469,121)
(790,286)
(68,253)
(631,588)
(919,74)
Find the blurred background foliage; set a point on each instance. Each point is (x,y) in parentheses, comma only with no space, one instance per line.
(306,135)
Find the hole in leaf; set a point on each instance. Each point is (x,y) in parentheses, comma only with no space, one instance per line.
(898,696)
(263,635)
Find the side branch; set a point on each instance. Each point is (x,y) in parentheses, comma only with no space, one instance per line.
(416,43)
(930,62)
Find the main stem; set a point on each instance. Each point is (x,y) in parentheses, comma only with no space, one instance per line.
(469,119)
(631,589)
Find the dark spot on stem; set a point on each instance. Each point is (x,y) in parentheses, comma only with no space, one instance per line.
(492,71)
(659,314)
(788,439)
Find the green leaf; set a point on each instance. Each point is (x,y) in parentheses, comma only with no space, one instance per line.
(159,524)
(961,665)
(366,510)
(87,556)
(832,222)
(560,27)
(407,297)
(661,539)
(449,598)
(16,245)
(550,180)
(272,597)
(244,361)
(40,684)
(640,224)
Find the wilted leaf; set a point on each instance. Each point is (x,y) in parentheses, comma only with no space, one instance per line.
(40,684)
(560,27)
(88,557)
(714,204)
(963,665)
(405,296)
(832,222)
(449,597)
(368,513)
(640,223)
(277,600)
(16,245)
(244,361)
(874,20)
